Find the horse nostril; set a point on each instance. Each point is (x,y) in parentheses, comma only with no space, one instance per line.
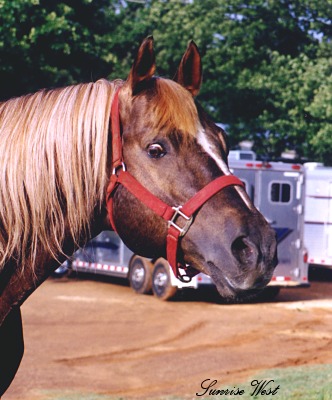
(245,251)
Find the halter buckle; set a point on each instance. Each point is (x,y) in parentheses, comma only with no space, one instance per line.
(121,166)
(172,222)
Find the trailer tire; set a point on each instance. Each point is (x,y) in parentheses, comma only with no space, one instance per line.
(161,280)
(140,274)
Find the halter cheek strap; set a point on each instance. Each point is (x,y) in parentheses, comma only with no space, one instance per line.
(179,218)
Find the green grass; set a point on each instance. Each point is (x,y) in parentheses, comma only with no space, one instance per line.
(295,383)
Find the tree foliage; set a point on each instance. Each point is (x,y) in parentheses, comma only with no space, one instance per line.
(51,43)
(267,64)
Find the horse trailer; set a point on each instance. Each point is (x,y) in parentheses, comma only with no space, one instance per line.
(277,190)
(318,214)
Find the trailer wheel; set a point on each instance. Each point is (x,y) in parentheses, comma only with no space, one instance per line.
(161,280)
(140,274)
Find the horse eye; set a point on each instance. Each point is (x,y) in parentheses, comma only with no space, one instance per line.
(156,150)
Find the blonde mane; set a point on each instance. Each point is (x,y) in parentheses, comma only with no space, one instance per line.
(53,168)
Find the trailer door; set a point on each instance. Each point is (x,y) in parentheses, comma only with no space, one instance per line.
(279,198)
(318,215)
(247,176)
(328,222)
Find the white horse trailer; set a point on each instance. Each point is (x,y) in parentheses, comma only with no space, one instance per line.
(106,254)
(277,191)
(318,214)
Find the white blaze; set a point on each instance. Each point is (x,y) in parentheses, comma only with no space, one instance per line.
(213,152)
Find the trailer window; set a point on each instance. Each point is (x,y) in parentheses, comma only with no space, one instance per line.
(280,192)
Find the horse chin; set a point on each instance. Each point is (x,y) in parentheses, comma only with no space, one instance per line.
(229,289)
(237,296)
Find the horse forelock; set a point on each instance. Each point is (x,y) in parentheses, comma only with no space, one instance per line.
(175,110)
(53,167)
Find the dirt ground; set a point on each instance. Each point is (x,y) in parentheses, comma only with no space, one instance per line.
(96,336)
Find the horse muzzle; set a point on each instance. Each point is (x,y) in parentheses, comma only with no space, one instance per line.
(254,262)
(239,263)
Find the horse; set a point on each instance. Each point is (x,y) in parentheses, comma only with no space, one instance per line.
(140,156)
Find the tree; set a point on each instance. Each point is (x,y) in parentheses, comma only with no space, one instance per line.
(297,112)
(262,67)
(260,61)
(267,64)
(45,43)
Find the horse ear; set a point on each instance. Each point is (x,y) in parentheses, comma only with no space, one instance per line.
(144,65)
(189,73)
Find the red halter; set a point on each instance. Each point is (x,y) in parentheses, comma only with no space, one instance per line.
(171,214)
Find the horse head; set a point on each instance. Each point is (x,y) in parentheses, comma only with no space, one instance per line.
(173,149)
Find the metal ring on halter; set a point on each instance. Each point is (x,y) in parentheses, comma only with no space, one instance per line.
(121,166)
(184,278)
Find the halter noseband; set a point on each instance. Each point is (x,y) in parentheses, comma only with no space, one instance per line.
(172,215)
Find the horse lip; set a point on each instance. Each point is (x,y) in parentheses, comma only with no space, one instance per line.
(227,287)
(229,283)
(231,288)
(233,293)
(222,282)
